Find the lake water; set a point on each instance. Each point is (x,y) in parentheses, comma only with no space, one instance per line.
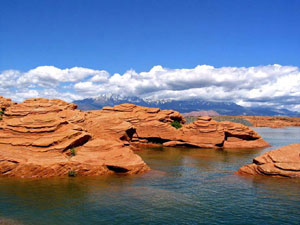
(186,186)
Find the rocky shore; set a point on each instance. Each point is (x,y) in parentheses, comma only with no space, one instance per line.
(50,137)
(282,162)
(267,121)
(273,121)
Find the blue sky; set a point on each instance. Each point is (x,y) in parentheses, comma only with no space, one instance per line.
(117,35)
(244,51)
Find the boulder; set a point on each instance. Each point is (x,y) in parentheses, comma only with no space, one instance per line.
(205,118)
(240,136)
(282,162)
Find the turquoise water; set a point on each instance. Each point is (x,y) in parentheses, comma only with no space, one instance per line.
(186,186)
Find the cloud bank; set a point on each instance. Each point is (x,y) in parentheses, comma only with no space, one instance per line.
(271,85)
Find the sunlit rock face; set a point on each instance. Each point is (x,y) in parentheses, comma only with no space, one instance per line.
(5,102)
(282,162)
(36,138)
(152,125)
(50,137)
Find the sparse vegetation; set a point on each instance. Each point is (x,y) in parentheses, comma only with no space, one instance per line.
(73,151)
(72,173)
(1,114)
(176,124)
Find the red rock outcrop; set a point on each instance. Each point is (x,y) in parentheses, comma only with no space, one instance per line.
(39,136)
(152,125)
(241,136)
(282,162)
(5,102)
(36,138)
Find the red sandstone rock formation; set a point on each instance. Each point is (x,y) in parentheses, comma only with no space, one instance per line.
(5,102)
(282,162)
(152,125)
(36,137)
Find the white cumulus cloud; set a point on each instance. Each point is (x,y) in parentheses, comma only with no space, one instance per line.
(273,85)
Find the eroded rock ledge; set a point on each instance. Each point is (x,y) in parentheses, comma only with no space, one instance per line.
(36,138)
(282,162)
(49,137)
(5,102)
(152,125)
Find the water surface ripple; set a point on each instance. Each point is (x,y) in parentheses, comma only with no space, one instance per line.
(186,186)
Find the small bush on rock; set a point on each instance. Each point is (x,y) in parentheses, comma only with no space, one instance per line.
(1,114)
(72,173)
(176,124)
(73,151)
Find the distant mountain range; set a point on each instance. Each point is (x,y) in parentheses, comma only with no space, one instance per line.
(183,106)
(201,113)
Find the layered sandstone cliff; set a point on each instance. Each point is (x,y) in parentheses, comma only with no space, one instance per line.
(36,138)
(44,138)
(152,125)
(5,102)
(282,162)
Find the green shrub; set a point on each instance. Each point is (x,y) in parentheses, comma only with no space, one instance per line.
(1,113)
(72,173)
(176,124)
(73,151)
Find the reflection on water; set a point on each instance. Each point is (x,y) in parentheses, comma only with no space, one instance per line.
(280,188)
(280,137)
(6,221)
(207,159)
(186,186)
